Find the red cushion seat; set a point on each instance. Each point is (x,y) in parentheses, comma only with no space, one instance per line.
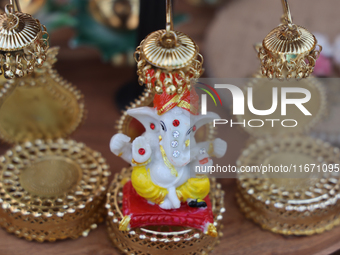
(142,213)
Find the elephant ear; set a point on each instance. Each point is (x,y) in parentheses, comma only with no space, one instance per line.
(201,120)
(147,116)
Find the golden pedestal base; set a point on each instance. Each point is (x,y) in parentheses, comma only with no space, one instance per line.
(51,190)
(300,202)
(164,240)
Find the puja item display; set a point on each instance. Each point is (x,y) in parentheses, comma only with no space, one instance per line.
(289,197)
(288,50)
(159,205)
(51,188)
(294,187)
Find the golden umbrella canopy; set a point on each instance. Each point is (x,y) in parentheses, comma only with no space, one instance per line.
(23,42)
(288,50)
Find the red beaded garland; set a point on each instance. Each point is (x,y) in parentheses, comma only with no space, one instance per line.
(175,123)
(152,126)
(141,151)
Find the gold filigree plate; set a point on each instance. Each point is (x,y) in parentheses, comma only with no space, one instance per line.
(43,106)
(291,203)
(51,190)
(150,240)
(121,14)
(288,50)
(262,90)
(23,43)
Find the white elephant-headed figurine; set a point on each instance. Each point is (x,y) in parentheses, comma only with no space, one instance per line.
(164,154)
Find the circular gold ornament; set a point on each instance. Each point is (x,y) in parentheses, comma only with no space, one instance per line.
(51,190)
(300,201)
(155,240)
(262,99)
(122,14)
(43,106)
(288,50)
(23,42)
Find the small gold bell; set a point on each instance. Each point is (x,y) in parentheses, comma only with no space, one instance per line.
(288,50)
(167,60)
(23,42)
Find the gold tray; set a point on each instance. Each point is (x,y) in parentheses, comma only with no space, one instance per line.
(42,106)
(288,205)
(51,190)
(149,240)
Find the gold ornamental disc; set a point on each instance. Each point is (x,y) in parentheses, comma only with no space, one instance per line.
(51,190)
(51,176)
(262,99)
(302,199)
(151,240)
(43,106)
